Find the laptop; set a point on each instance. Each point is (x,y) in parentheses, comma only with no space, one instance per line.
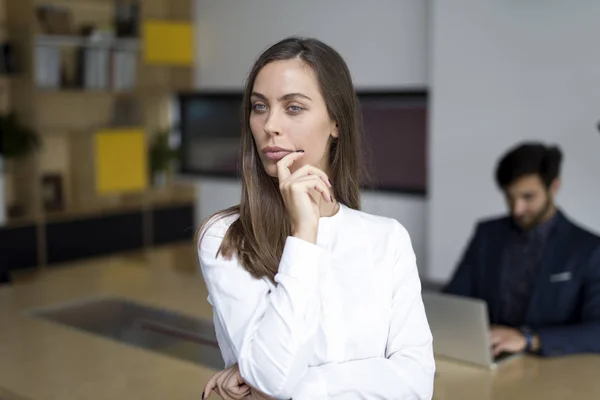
(460,329)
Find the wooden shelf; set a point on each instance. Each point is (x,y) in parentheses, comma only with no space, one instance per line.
(77,3)
(74,213)
(127,44)
(66,118)
(169,195)
(83,92)
(146,90)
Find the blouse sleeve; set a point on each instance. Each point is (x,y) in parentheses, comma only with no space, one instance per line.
(267,327)
(407,371)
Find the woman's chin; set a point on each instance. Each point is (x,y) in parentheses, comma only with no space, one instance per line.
(270,169)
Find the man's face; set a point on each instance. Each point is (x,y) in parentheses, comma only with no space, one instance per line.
(530,201)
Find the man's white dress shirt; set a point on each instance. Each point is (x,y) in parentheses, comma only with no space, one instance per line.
(344,320)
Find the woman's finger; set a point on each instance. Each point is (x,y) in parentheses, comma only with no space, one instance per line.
(233,385)
(309,183)
(237,388)
(283,165)
(308,170)
(210,385)
(241,387)
(223,383)
(239,392)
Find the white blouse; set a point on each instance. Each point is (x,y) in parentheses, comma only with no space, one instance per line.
(345,319)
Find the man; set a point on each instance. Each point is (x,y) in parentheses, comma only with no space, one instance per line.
(538,272)
(4,277)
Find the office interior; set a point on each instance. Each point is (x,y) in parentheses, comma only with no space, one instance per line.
(105,177)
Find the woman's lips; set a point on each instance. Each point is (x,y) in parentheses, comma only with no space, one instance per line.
(276,155)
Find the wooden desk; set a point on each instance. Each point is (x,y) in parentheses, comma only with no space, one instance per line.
(524,378)
(44,360)
(40,360)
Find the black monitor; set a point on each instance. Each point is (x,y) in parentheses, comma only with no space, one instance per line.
(395,137)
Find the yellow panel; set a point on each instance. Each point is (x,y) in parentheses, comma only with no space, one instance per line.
(121,161)
(169,43)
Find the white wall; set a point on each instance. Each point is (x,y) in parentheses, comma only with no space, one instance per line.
(384,45)
(504,71)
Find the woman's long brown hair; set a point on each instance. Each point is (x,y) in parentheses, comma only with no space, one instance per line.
(258,236)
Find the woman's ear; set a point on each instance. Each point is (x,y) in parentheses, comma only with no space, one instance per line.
(334,132)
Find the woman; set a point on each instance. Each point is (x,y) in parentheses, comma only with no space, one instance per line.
(312,298)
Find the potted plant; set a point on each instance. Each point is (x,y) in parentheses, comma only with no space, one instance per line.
(16,141)
(162,156)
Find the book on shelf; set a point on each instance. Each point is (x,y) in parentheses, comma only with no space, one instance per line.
(124,66)
(100,64)
(47,67)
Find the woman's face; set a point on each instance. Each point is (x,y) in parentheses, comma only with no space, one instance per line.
(288,114)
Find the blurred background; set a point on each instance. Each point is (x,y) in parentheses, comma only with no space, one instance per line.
(120,119)
(88,152)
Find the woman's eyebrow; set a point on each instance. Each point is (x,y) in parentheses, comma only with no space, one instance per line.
(289,96)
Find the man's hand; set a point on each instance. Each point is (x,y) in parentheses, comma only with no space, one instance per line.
(228,384)
(507,339)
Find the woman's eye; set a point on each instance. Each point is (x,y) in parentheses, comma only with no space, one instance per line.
(295,109)
(259,107)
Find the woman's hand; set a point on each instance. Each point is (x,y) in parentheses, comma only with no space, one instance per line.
(296,188)
(228,384)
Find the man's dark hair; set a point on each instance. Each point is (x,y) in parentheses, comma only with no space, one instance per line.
(529,159)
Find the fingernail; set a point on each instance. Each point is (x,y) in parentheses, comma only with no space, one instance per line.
(299,151)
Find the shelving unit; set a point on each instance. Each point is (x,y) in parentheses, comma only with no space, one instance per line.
(67,116)
(3,79)
(4,106)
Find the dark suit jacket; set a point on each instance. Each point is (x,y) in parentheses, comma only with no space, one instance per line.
(4,276)
(564,309)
